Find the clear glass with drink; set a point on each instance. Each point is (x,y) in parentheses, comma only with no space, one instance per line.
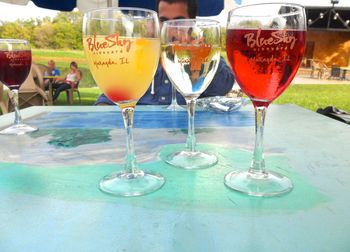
(15,65)
(122,47)
(190,56)
(265,45)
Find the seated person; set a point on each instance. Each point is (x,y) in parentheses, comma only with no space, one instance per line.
(52,71)
(69,81)
(159,92)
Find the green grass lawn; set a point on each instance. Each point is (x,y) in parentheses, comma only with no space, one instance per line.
(61,57)
(308,96)
(313,97)
(88,97)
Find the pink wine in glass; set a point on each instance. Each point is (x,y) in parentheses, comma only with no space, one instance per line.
(14,67)
(264,61)
(265,46)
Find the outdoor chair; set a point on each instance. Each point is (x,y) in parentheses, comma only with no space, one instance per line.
(42,68)
(48,90)
(320,69)
(335,72)
(323,71)
(70,92)
(3,100)
(314,69)
(31,93)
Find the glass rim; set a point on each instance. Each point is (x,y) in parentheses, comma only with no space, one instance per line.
(301,8)
(195,20)
(18,41)
(118,8)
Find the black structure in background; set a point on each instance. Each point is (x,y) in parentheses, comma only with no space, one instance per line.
(331,18)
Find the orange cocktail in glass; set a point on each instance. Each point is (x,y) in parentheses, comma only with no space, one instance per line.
(122,47)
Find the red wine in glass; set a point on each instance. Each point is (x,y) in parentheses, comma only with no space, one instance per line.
(264,61)
(14,67)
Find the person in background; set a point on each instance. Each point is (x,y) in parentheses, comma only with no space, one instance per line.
(159,92)
(68,81)
(51,72)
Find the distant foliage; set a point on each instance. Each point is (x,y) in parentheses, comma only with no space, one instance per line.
(64,31)
(223,39)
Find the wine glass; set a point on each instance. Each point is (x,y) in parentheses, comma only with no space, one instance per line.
(265,45)
(190,56)
(15,65)
(122,47)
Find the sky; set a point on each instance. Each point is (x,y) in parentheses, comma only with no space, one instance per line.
(11,12)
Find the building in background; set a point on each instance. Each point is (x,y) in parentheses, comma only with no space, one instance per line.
(328,36)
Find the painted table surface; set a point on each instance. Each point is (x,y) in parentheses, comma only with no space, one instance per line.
(49,183)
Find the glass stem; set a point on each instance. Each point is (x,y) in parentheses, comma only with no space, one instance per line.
(191,138)
(130,158)
(258,163)
(173,95)
(14,100)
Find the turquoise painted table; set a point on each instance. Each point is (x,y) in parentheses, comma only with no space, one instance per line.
(49,183)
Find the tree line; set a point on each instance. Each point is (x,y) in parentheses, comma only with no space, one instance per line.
(64,31)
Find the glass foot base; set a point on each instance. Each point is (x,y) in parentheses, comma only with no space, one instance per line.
(18,129)
(261,185)
(192,160)
(175,107)
(131,184)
